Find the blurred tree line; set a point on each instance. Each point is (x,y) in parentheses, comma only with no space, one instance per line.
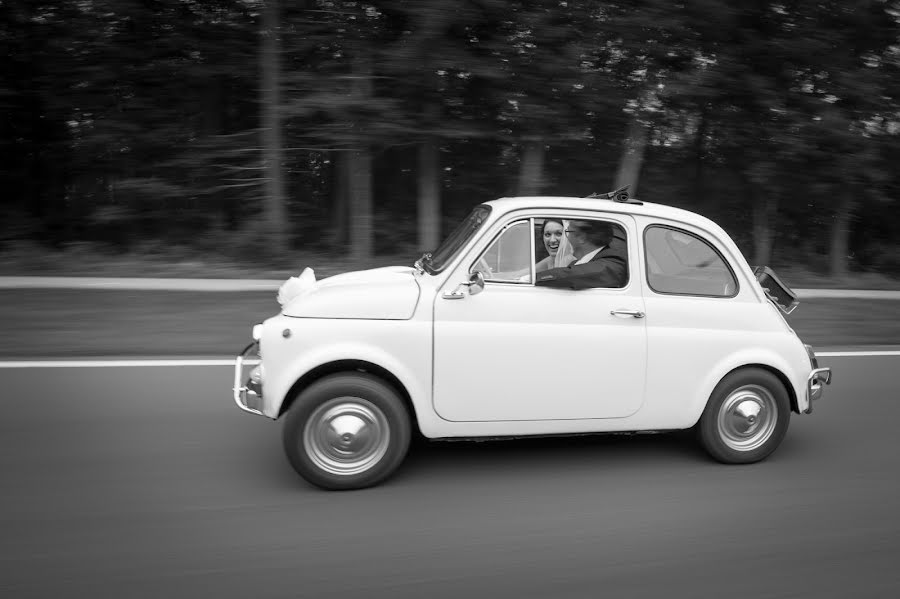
(366,127)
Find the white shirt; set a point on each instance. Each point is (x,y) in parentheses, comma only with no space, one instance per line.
(587,257)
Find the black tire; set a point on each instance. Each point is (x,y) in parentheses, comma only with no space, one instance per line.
(746,417)
(375,437)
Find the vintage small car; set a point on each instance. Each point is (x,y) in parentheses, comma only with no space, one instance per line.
(495,334)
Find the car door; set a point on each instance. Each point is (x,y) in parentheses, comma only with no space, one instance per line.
(519,352)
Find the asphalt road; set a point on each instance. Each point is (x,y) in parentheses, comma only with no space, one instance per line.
(148,482)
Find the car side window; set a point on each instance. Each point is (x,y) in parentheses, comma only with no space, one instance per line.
(508,258)
(581,254)
(682,263)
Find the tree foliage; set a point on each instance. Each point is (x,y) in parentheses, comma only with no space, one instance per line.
(134,120)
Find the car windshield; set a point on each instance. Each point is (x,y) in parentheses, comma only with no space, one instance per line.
(458,238)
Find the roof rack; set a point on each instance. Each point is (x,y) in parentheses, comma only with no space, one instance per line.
(619,195)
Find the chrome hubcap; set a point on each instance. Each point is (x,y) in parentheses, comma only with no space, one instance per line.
(747,418)
(346,435)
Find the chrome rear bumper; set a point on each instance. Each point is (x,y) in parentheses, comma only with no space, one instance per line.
(815,385)
(248,397)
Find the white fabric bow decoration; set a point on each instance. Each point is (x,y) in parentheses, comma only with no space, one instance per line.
(297,286)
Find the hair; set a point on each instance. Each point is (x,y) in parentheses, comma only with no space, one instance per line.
(597,231)
(551,220)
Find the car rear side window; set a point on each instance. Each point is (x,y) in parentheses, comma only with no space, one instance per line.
(682,263)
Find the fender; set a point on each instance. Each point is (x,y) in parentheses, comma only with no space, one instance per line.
(278,388)
(744,357)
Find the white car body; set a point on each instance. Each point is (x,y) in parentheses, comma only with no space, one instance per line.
(517,360)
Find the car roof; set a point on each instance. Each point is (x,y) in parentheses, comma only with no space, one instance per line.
(509,204)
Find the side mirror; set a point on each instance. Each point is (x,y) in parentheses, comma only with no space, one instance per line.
(476,283)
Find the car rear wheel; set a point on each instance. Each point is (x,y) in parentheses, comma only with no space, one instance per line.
(746,417)
(346,431)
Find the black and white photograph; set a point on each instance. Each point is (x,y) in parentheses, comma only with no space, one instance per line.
(435,299)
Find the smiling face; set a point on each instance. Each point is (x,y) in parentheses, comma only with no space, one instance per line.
(553,232)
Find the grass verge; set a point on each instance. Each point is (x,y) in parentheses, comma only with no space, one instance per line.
(155,261)
(82,323)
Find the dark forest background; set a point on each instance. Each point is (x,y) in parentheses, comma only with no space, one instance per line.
(270,126)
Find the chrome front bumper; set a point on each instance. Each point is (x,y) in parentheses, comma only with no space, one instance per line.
(248,397)
(815,385)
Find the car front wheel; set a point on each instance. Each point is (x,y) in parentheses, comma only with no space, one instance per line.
(346,431)
(746,417)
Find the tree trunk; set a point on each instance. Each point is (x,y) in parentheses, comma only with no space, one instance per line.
(429,200)
(699,148)
(214,98)
(213,122)
(359,201)
(360,205)
(531,173)
(632,156)
(764,211)
(840,237)
(340,181)
(275,212)
(431,24)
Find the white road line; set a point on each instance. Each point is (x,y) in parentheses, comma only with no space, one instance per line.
(117,363)
(841,354)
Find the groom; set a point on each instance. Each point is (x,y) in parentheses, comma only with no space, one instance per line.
(600,261)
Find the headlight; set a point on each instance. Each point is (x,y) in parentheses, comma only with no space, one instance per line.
(256,333)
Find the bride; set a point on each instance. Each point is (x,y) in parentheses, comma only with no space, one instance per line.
(557,245)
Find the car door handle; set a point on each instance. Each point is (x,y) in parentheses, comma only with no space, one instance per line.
(627,312)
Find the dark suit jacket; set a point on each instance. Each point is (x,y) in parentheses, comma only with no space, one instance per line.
(608,268)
